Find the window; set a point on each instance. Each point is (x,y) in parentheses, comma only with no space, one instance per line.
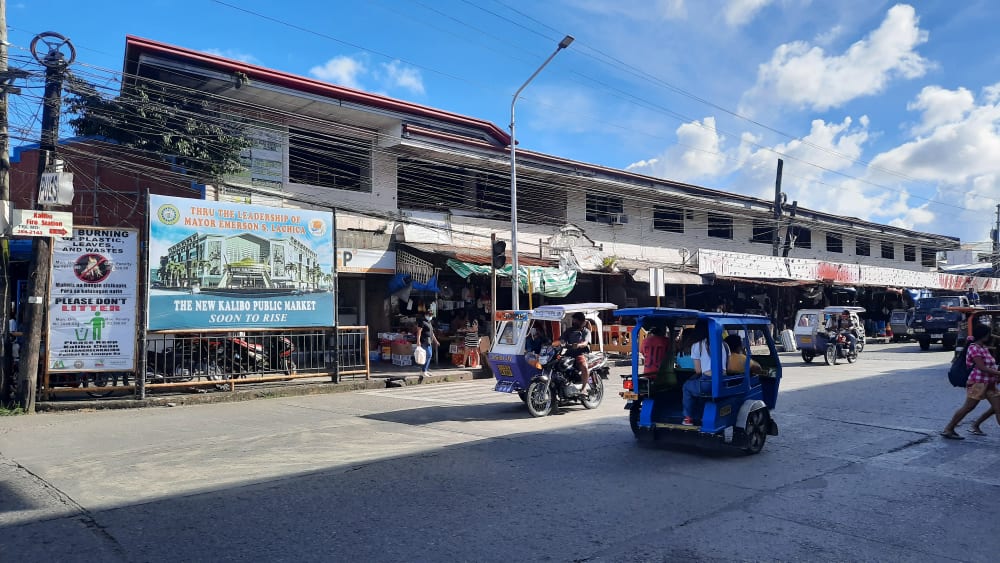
(863,247)
(803,237)
(909,253)
(600,208)
(324,160)
(888,250)
(762,231)
(834,243)
(668,219)
(928,257)
(720,226)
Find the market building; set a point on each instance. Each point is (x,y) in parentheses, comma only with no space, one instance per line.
(419,192)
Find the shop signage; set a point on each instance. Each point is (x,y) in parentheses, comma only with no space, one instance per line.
(222,265)
(92,300)
(736,265)
(365,261)
(56,188)
(38,223)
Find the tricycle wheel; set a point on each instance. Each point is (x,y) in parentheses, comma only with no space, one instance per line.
(807,357)
(595,393)
(540,398)
(752,438)
(925,345)
(830,357)
(860,345)
(641,434)
(524,396)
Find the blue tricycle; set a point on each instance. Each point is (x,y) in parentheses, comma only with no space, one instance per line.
(735,408)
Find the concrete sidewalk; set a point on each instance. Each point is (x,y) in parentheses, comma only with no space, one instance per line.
(382,376)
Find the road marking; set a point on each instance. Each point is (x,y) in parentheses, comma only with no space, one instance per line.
(463,393)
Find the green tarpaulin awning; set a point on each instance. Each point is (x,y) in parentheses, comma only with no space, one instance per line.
(550,282)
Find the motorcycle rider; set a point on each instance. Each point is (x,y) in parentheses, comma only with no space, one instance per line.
(844,325)
(578,339)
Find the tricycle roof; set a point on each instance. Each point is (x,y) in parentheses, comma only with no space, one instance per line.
(555,312)
(842,308)
(665,312)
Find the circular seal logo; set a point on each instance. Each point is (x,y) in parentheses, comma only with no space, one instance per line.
(92,268)
(168,214)
(317,227)
(78,364)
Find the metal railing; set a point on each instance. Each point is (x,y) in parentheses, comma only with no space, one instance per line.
(224,360)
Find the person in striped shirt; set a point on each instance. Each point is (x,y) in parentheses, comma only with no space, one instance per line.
(982,383)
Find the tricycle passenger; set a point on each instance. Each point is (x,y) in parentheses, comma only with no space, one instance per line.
(655,349)
(578,339)
(702,381)
(737,359)
(534,342)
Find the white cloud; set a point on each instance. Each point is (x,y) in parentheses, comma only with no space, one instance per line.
(740,12)
(697,155)
(940,107)
(234,55)
(806,77)
(829,36)
(342,70)
(404,77)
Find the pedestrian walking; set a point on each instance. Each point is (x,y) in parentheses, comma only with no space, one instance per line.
(425,339)
(982,382)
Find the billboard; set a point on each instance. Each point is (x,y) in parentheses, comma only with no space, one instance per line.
(92,300)
(224,265)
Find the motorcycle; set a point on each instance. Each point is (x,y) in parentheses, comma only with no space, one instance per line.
(169,365)
(837,347)
(559,383)
(244,355)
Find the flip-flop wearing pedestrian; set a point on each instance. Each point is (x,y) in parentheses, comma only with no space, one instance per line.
(952,435)
(977,432)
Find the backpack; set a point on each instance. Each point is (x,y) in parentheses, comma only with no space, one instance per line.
(958,374)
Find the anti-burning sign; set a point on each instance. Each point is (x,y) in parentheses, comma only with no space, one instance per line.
(223,265)
(92,300)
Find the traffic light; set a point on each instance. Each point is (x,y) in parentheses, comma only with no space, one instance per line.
(499,254)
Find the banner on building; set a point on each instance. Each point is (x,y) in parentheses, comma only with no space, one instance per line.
(222,265)
(92,300)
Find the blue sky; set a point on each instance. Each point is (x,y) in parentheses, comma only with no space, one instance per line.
(883,111)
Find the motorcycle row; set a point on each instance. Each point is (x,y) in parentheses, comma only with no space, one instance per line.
(220,357)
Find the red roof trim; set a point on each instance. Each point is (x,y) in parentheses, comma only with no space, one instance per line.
(314,86)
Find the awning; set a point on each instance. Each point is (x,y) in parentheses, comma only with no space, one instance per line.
(550,282)
(670,278)
(639,270)
(477,255)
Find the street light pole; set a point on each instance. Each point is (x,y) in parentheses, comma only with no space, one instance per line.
(513,175)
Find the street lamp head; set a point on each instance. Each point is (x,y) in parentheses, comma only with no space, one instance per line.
(566,42)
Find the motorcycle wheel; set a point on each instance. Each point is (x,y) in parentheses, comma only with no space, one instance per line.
(595,394)
(633,418)
(851,357)
(541,399)
(860,345)
(288,366)
(830,356)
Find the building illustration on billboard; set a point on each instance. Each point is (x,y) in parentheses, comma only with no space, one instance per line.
(223,265)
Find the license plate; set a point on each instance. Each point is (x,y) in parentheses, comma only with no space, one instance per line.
(937,336)
(505,387)
(629,396)
(806,339)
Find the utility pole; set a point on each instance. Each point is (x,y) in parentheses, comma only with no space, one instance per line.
(778,201)
(55,63)
(6,365)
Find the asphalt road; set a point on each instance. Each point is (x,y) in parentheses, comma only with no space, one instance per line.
(456,472)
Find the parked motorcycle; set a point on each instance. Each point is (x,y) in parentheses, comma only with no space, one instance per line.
(169,365)
(245,355)
(837,347)
(559,382)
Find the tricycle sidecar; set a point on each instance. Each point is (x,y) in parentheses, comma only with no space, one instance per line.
(736,408)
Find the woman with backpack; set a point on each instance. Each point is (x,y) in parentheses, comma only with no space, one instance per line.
(982,383)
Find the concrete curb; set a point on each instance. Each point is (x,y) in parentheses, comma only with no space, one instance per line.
(250,392)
